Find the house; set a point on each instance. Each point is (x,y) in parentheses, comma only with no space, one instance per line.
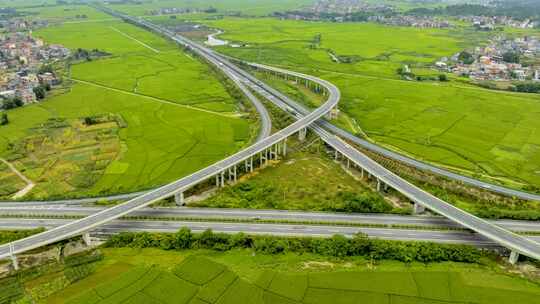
(26,95)
(9,94)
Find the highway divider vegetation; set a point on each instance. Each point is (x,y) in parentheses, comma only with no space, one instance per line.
(337,246)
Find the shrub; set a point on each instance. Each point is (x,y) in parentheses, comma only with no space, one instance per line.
(336,246)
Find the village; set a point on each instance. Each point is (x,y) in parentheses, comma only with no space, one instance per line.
(502,59)
(25,70)
(490,23)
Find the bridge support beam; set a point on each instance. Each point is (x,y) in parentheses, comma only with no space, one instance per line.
(418,209)
(514,256)
(179,198)
(14,260)
(86,239)
(284,147)
(378,185)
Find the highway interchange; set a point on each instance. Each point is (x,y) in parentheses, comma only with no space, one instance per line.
(305,119)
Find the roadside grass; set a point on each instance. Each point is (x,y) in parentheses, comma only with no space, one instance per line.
(179,117)
(292,278)
(487,134)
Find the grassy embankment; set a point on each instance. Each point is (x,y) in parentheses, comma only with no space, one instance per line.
(238,276)
(178,117)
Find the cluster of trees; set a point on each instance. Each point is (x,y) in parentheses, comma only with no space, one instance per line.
(82,54)
(363,203)
(519,9)
(41,91)
(511,57)
(411,76)
(466,57)
(316,41)
(528,87)
(4,119)
(336,246)
(11,103)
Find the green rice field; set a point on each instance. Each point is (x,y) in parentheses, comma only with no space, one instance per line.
(154,276)
(179,117)
(488,134)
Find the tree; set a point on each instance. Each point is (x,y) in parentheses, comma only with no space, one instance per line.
(18,102)
(40,92)
(4,119)
(443,77)
(511,57)
(466,57)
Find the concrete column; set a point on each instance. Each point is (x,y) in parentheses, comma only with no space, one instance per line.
(378,185)
(348,164)
(217,180)
(336,154)
(234,172)
(285,147)
(361,173)
(86,239)
(418,209)
(13,257)
(302,134)
(251,164)
(223,178)
(514,256)
(179,198)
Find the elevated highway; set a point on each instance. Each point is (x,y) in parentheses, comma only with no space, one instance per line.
(517,243)
(261,148)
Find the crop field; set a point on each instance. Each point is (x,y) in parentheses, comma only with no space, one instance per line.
(240,277)
(453,124)
(246,7)
(67,13)
(178,116)
(65,156)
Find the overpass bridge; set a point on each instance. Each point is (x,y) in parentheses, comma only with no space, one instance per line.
(271,147)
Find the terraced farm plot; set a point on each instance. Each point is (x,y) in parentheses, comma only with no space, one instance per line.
(154,285)
(10,183)
(179,117)
(66,156)
(472,130)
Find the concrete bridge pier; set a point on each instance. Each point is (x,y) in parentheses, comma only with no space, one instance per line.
(284,147)
(179,198)
(86,239)
(14,260)
(222,178)
(514,256)
(302,134)
(273,152)
(378,185)
(418,209)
